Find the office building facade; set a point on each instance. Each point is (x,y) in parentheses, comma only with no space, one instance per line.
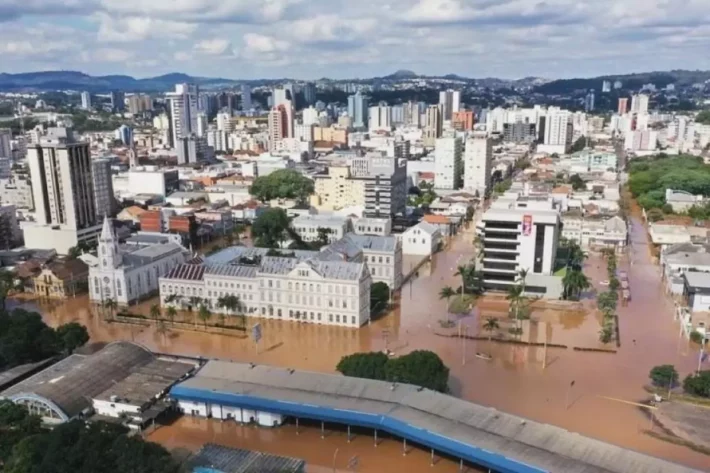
(448,163)
(478,163)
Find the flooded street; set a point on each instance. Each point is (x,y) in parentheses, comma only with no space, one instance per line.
(323,455)
(513,381)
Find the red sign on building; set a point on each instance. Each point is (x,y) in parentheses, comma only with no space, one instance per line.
(527,225)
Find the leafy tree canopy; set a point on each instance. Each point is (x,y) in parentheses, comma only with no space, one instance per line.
(25,338)
(282,184)
(269,229)
(649,179)
(703,117)
(663,375)
(577,182)
(421,368)
(698,385)
(94,447)
(579,145)
(379,296)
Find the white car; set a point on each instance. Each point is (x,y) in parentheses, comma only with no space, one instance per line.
(604,283)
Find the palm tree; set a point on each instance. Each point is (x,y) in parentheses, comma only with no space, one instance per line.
(231,304)
(111,305)
(155,312)
(462,271)
(193,302)
(204,314)
(522,276)
(515,296)
(446,293)
(490,325)
(574,282)
(171,312)
(161,329)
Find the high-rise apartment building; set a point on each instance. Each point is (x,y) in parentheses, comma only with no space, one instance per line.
(139,103)
(63,191)
(183,111)
(639,103)
(519,132)
(623,106)
(380,117)
(462,120)
(589,101)
(103,188)
(309,93)
(432,125)
(448,163)
(5,143)
(606,86)
(86,100)
(478,163)
(117,99)
(357,110)
(558,131)
(280,123)
(450,102)
(246,98)
(385,184)
(310,116)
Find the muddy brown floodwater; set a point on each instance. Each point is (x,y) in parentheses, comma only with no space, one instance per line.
(514,381)
(322,455)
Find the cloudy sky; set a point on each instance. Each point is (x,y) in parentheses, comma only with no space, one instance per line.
(354,38)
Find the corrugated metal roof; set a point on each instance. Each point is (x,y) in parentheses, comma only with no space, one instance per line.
(186,272)
(431,414)
(231,270)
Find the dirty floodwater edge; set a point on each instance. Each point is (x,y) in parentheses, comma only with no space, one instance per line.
(513,381)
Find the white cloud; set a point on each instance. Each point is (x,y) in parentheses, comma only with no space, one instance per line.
(341,38)
(133,28)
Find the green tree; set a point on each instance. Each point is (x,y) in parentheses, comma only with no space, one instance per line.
(72,336)
(577,182)
(155,312)
(606,333)
(79,446)
(379,297)
(703,117)
(574,282)
(654,215)
(270,228)
(204,314)
(698,384)
(16,423)
(282,184)
(7,284)
(111,305)
(171,312)
(491,325)
(25,338)
(579,145)
(420,368)
(363,365)
(515,300)
(447,293)
(663,375)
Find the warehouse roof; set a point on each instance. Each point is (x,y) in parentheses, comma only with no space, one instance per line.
(217,458)
(68,386)
(476,433)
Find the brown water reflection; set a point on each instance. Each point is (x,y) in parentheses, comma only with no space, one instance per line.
(330,454)
(513,381)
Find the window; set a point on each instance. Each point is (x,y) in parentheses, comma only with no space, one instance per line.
(345,304)
(330,317)
(289,286)
(278,312)
(263,311)
(278,284)
(380,259)
(330,303)
(387,260)
(298,286)
(353,320)
(270,283)
(318,316)
(337,318)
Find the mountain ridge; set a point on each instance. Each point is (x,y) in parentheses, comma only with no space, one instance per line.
(76,80)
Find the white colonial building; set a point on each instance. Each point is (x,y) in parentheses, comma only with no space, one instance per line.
(130,272)
(283,288)
(595,231)
(421,239)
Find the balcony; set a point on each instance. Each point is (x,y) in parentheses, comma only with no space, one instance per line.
(491,235)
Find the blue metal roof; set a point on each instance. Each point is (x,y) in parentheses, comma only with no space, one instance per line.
(393,426)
